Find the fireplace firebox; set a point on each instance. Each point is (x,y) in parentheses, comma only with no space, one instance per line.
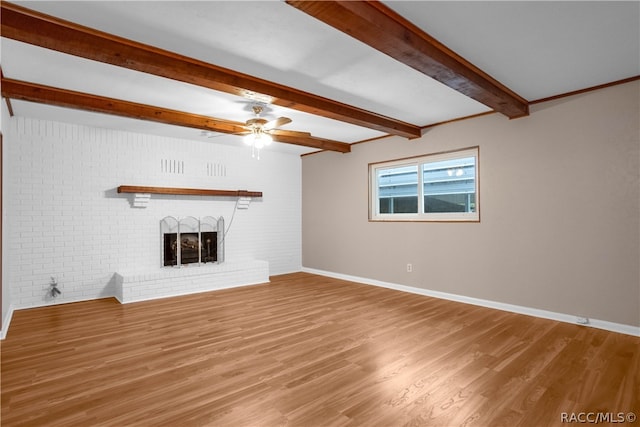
(192,241)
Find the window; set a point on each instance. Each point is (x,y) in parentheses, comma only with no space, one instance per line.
(435,187)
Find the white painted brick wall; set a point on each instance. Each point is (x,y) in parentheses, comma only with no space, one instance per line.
(65,218)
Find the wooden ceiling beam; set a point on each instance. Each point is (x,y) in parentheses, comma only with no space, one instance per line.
(311,141)
(25,25)
(7,100)
(383,29)
(32,92)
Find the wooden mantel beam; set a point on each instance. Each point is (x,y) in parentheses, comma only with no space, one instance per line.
(28,26)
(24,91)
(383,29)
(188,191)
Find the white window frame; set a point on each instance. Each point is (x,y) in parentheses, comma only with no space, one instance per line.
(374,205)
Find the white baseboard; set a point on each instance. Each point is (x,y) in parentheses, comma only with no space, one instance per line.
(595,323)
(535,312)
(6,321)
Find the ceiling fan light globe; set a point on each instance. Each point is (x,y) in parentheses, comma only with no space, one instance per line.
(249,139)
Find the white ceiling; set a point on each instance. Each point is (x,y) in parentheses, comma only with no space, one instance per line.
(537,49)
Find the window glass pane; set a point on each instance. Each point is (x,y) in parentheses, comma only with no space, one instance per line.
(449,185)
(432,187)
(397,189)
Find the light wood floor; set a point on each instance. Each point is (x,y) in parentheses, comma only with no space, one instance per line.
(307,350)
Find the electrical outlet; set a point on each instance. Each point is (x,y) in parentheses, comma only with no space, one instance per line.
(409,268)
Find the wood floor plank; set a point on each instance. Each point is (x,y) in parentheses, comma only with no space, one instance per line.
(307,350)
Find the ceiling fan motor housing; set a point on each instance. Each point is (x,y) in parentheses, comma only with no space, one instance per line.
(258,122)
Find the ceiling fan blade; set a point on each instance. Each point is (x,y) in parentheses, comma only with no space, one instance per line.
(280,121)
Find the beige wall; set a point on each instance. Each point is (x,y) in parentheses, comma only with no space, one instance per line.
(560,211)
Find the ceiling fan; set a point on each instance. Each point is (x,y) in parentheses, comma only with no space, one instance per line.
(260,130)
